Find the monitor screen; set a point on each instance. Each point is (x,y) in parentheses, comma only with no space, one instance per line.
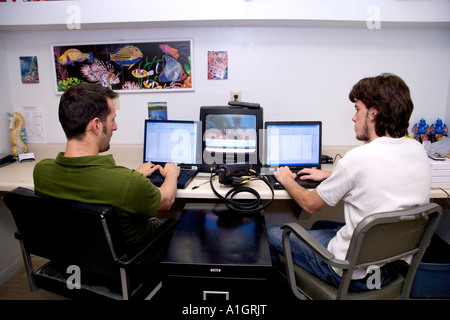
(293,144)
(236,132)
(230,135)
(171,141)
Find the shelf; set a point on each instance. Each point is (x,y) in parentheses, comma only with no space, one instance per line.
(117,14)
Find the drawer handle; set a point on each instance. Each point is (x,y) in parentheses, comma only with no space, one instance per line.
(226,293)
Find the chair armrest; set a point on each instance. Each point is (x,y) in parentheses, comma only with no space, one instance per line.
(313,244)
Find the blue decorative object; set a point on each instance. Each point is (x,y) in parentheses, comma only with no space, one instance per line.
(438,130)
(421,131)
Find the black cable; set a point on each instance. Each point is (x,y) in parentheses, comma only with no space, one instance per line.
(248,206)
(335,157)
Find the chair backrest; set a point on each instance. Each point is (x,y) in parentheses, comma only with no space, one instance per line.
(71,232)
(385,237)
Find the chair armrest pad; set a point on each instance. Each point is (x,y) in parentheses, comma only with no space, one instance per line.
(313,244)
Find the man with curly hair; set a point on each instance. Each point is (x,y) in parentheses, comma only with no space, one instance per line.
(389,172)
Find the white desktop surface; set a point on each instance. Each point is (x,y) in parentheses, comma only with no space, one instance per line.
(21,174)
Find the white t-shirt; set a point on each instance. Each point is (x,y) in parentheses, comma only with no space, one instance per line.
(384,175)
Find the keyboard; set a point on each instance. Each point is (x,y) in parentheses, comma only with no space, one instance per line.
(186,175)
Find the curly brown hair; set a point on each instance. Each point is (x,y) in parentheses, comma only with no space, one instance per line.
(390,96)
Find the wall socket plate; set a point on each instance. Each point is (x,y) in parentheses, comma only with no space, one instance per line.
(235,93)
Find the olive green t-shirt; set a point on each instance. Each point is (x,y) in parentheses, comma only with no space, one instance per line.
(97,179)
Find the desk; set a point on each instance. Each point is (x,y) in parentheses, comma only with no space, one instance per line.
(21,174)
(218,255)
(130,156)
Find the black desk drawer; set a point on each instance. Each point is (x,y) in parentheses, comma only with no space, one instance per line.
(236,290)
(217,270)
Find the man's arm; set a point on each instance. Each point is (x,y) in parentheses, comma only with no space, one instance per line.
(168,189)
(310,201)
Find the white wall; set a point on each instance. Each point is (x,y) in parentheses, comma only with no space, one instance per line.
(294,73)
(5,98)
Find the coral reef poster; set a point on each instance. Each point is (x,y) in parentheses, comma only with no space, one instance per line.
(29,69)
(157,110)
(126,67)
(217,65)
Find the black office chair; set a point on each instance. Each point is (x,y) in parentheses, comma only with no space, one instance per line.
(378,239)
(88,237)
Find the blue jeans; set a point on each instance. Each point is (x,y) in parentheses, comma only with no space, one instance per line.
(306,258)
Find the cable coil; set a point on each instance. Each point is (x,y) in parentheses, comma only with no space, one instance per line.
(246,206)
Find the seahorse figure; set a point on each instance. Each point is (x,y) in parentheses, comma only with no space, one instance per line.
(18,135)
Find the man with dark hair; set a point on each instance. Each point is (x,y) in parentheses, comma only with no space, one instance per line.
(80,104)
(390,172)
(389,96)
(87,115)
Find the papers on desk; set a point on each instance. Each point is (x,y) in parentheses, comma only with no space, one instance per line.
(440,173)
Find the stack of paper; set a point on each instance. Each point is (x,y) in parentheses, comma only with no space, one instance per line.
(440,173)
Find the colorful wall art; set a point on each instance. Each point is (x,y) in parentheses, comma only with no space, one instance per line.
(126,67)
(157,110)
(29,69)
(217,65)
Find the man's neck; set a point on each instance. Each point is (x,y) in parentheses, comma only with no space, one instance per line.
(76,148)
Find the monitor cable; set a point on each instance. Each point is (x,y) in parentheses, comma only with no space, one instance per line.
(246,206)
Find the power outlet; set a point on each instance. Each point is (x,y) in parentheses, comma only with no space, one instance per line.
(235,96)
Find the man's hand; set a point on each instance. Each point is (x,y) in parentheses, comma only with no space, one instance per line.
(313,174)
(170,170)
(148,168)
(283,174)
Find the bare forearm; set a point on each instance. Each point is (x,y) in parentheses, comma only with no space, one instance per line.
(308,200)
(168,192)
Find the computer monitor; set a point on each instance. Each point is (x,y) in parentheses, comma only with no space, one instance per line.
(230,135)
(296,144)
(171,141)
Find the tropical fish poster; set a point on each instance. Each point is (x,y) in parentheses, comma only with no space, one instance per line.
(29,69)
(126,67)
(217,65)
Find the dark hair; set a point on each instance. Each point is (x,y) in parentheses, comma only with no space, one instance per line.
(390,96)
(82,103)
